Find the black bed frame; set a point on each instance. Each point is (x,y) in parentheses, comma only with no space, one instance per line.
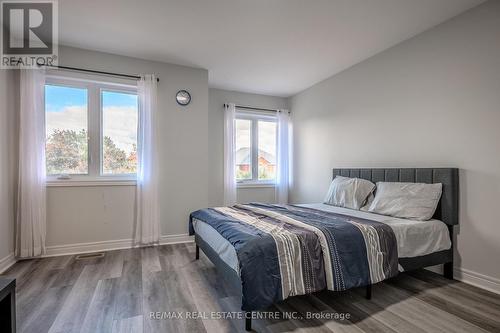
(447,211)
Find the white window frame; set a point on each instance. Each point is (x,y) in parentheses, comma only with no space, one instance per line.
(255,117)
(94,86)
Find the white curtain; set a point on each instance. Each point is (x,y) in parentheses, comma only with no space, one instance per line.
(147,221)
(229,155)
(31,209)
(284,151)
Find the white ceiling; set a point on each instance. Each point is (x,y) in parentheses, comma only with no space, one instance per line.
(274,47)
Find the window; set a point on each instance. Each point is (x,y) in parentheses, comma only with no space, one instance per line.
(243,149)
(267,150)
(119,132)
(91,130)
(67,150)
(255,148)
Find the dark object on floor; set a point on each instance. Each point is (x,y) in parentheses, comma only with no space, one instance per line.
(7,305)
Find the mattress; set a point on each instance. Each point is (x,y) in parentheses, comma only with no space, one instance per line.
(414,238)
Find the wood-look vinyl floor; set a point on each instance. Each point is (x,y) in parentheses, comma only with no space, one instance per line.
(119,292)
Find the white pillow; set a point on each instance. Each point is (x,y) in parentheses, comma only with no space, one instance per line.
(349,192)
(416,201)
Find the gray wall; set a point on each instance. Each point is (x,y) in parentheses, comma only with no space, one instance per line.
(8,119)
(103,213)
(433,100)
(217,98)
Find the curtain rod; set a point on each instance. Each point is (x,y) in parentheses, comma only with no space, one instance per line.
(254,108)
(97,72)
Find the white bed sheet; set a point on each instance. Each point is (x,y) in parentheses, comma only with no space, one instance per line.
(414,238)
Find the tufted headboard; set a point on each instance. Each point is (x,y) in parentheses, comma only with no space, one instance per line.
(447,210)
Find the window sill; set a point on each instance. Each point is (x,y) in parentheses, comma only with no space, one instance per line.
(255,185)
(93,182)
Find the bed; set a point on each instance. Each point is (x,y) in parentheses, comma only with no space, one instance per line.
(400,245)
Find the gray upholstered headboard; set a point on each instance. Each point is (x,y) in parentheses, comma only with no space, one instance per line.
(447,210)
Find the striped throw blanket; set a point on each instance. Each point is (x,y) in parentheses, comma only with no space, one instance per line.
(286,250)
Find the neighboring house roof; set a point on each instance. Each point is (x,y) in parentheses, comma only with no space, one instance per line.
(243,156)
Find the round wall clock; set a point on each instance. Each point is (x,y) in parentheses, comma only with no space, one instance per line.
(183,97)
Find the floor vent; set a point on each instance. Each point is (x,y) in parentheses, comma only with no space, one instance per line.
(90,256)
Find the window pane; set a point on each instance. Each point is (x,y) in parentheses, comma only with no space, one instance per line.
(243,149)
(119,138)
(267,150)
(66,130)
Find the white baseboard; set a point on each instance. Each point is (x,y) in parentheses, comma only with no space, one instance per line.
(478,280)
(77,248)
(176,239)
(70,249)
(6,262)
